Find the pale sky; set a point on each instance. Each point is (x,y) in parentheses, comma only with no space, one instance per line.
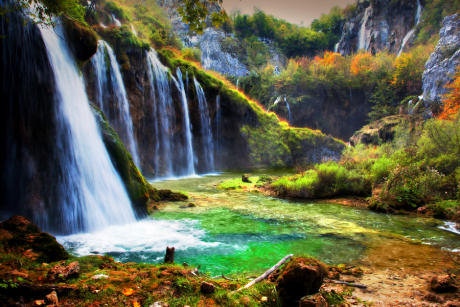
(295,11)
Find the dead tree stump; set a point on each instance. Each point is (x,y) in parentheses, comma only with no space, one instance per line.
(169,257)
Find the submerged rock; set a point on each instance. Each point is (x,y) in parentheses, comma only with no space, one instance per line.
(18,234)
(300,277)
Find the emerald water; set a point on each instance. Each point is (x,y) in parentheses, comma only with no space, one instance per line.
(236,231)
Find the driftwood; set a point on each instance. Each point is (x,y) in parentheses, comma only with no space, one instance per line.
(266,274)
(340,282)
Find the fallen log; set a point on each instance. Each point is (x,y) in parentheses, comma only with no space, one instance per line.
(266,274)
(340,282)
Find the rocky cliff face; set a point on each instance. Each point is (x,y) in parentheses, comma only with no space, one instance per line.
(441,67)
(380,25)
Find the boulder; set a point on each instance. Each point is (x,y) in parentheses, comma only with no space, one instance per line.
(207,288)
(19,235)
(62,271)
(443,283)
(82,40)
(377,132)
(301,276)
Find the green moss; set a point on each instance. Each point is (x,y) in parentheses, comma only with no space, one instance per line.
(238,184)
(139,190)
(82,39)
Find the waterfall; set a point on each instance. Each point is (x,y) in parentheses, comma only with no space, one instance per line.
(362,44)
(163,114)
(93,195)
(218,123)
(116,21)
(110,87)
(409,34)
(189,169)
(133,30)
(238,83)
(206,129)
(288,107)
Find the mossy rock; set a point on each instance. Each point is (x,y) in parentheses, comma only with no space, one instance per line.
(82,39)
(19,235)
(139,190)
(378,132)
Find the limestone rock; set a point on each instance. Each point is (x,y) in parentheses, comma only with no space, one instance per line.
(377,132)
(441,66)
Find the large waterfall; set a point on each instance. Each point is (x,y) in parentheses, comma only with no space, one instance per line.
(206,128)
(111,96)
(93,193)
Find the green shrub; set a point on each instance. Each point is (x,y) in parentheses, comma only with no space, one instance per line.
(381,169)
(192,54)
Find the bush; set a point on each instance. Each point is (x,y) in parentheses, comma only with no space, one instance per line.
(192,54)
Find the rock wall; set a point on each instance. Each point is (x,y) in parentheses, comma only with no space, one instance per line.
(378,25)
(442,65)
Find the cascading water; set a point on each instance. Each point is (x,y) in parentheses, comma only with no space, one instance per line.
(163,114)
(110,88)
(362,42)
(189,169)
(93,195)
(409,34)
(206,129)
(288,107)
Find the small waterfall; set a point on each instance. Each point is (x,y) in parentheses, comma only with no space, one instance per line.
(110,87)
(133,30)
(238,83)
(189,169)
(163,114)
(336,47)
(116,21)
(206,130)
(93,195)
(408,36)
(288,107)
(362,43)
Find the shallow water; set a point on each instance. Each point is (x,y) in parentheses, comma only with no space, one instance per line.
(234,231)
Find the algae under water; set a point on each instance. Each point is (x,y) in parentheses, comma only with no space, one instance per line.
(236,231)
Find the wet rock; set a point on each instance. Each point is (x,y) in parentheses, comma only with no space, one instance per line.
(21,236)
(443,283)
(316,300)
(52,298)
(207,288)
(62,272)
(82,39)
(300,277)
(245,178)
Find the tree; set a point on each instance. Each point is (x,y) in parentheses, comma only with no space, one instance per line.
(452,99)
(195,14)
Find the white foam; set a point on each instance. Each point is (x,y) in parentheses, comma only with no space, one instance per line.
(451,227)
(143,236)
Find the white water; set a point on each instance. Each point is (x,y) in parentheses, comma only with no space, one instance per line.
(93,194)
(110,84)
(133,30)
(451,227)
(142,236)
(409,34)
(163,111)
(189,169)
(362,43)
(288,107)
(116,21)
(206,129)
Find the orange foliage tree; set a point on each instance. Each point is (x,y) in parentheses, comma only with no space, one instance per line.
(451,99)
(362,63)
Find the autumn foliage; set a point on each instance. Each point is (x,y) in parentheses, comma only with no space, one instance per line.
(452,99)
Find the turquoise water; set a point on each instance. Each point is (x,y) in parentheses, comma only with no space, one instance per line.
(235,231)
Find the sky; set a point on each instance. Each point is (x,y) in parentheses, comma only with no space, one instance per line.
(301,12)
